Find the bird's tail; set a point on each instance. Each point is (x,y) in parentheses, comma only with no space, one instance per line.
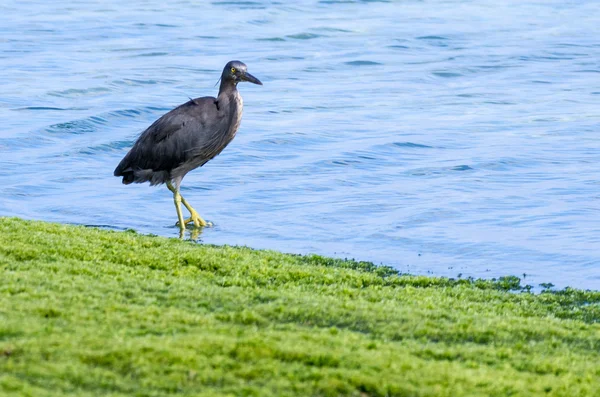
(128,178)
(125,171)
(141,176)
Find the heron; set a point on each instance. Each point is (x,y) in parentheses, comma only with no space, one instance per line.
(186,138)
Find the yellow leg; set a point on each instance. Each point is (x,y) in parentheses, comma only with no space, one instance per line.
(194,216)
(177,200)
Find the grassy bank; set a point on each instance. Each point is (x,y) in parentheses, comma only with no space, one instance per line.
(90,312)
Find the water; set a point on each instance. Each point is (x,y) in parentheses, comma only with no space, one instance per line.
(439,137)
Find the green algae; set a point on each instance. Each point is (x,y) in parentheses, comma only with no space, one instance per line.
(89,312)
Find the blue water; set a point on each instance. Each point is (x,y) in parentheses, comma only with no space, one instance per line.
(439,137)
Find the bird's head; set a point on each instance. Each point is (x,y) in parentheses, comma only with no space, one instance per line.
(236,71)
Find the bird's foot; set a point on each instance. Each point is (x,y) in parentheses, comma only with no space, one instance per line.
(197,220)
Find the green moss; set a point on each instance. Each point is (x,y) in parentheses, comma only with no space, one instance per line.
(90,312)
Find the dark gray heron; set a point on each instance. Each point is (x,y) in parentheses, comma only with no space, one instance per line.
(186,138)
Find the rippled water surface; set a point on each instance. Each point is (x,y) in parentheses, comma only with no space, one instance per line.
(439,137)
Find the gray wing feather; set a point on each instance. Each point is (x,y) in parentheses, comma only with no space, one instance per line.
(181,140)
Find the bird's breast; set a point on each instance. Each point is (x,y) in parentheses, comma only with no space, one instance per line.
(238,108)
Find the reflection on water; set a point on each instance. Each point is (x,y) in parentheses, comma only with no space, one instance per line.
(439,137)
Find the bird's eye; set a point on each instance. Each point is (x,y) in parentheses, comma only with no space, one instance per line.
(232,70)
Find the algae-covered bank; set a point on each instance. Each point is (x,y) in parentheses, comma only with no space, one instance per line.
(89,312)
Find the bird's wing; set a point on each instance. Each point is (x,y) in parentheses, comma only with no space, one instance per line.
(179,136)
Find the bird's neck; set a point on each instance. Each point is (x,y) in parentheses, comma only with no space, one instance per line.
(227,87)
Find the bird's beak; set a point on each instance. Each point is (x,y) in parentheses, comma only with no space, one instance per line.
(248,77)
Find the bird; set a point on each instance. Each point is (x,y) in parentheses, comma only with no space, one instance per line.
(186,138)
